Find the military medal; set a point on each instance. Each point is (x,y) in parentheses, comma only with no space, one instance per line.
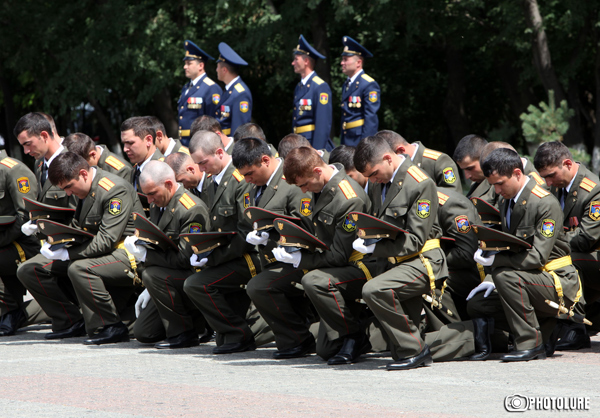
(194,102)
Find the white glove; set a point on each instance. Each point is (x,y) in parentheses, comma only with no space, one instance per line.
(484,261)
(255,238)
(61,254)
(142,302)
(197,262)
(28,228)
(138,251)
(487,286)
(283,256)
(359,245)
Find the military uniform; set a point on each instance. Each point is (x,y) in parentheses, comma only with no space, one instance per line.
(439,166)
(484,191)
(112,163)
(135,173)
(395,297)
(313,112)
(177,147)
(49,193)
(166,271)
(360,104)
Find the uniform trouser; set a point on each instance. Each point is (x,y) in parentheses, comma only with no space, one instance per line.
(91,277)
(49,285)
(395,297)
(588,265)
(452,341)
(219,295)
(436,318)
(459,284)
(148,327)
(523,295)
(282,305)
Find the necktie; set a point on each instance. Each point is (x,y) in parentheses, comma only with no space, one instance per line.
(316,197)
(196,192)
(215,185)
(136,177)
(160,214)
(347,84)
(384,191)
(78,209)
(562,196)
(44,173)
(509,211)
(259,193)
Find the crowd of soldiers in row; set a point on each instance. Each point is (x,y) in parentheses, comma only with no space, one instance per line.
(328,284)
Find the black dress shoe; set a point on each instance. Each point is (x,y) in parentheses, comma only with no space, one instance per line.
(247,345)
(354,345)
(550,345)
(75,330)
(306,347)
(575,338)
(483,328)
(115,333)
(10,322)
(538,352)
(422,359)
(183,340)
(208,335)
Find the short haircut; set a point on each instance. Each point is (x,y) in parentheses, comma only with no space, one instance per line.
(502,161)
(249,130)
(141,127)
(157,124)
(469,146)
(300,162)
(80,144)
(344,154)
(393,138)
(204,123)
(178,160)
(51,120)
(65,167)
(249,151)
(494,145)
(206,141)
(551,154)
(157,172)
(291,141)
(370,152)
(34,123)
(233,69)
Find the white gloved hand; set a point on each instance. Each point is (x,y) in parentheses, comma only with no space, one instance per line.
(359,245)
(256,238)
(488,287)
(142,302)
(28,228)
(484,261)
(198,262)
(61,254)
(283,256)
(138,251)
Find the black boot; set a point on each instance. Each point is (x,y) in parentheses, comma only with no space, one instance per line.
(575,338)
(483,328)
(550,346)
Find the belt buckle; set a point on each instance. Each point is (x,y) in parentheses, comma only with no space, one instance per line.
(295,129)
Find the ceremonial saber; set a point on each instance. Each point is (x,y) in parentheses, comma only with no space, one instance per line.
(564,310)
(437,304)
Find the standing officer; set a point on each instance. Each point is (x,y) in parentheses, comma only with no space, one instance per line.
(198,97)
(236,103)
(312,98)
(360,95)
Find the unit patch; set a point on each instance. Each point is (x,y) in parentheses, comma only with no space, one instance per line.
(23,184)
(462,224)
(306,207)
(349,224)
(244,107)
(595,210)
(548,228)
(323,98)
(423,208)
(114,207)
(216,98)
(372,96)
(449,176)
(195,228)
(246,200)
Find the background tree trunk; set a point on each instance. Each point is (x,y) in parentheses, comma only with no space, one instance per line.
(454,103)
(163,106)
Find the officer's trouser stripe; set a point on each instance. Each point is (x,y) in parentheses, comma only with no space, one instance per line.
(215,305)
(277,306)
(42,286)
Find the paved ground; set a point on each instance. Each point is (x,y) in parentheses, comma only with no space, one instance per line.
(68,379)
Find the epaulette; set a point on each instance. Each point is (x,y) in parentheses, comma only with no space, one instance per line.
(318,80)
(416,173)
(239,88)
(187,201)
(185,150)
(587,184)
(431,154)
(106,184)
(538,179)
(368,78)
(442,198)
(347,189)
(208,81)
(282,177)
(238,176)
(161,159)
(114,163)
(539,192)
(9,162)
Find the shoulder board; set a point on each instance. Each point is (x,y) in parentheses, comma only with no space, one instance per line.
(587,184)
(539,180)
(539,192)
(238,176)
(9,162)
(282,177)
(114,163)
(417,174)
(368,78)
(239,88)
(106,184)
(187,201)
(208,81)
(185,150)
(161,159)
(318,80)
(431,154)
(442,198)
(347,189)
